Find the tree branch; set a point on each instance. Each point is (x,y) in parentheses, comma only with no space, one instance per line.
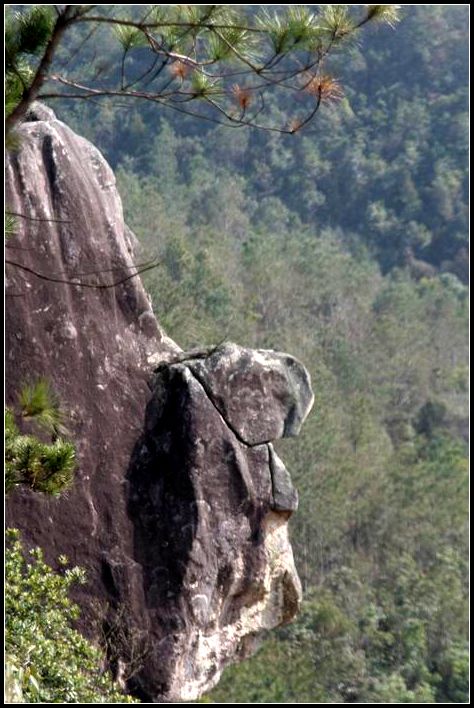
(65,18)
(96,286)
(35,218)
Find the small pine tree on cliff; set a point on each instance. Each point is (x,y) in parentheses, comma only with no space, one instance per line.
(43,466)
(47,660)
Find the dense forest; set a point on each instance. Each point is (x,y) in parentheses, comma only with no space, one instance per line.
(346,245)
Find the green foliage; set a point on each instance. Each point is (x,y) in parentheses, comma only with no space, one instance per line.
(10,225)
(41,466)
(387,165)
(380,536)
(44,467)
(363,639)
(47,660)
(38,401)
(390,14)
(187,53)
(27,32)
(336,21)
(223,44)
(26,35)
(297,27)
(299,244)
(16,82)
(129,37)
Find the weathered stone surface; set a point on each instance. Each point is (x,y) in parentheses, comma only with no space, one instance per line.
(285,496)
(215,555)
(93,346)
(39,111)
(264,395)
(179,508)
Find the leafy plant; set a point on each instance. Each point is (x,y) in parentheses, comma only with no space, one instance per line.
(47,660)
(43,467)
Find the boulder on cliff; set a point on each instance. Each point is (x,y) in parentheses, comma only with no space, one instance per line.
(180,505)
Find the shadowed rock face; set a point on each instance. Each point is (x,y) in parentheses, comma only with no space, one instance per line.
(210,500)
(180,504)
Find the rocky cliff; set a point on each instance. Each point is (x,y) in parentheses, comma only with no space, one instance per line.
(180,504)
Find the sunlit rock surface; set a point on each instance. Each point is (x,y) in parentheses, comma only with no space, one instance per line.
(180,504)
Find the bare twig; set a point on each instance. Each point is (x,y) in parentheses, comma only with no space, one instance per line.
(96,286)
(35,218)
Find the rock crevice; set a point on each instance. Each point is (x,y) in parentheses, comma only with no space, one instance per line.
(208,393)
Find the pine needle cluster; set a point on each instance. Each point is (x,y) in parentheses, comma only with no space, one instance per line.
(26,35)
(191,53)
(46,467)
(10,226)
(38,401)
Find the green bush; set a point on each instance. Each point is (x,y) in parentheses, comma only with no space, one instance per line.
(47,660)
(44,467)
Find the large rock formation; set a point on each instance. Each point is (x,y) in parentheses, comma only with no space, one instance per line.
(180,504)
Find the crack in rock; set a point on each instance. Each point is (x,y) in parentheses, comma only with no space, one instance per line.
(211,400)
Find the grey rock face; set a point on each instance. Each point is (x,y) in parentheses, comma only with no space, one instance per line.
(285,496)
(39,111)
(272,388)
(179,507)
(210,512)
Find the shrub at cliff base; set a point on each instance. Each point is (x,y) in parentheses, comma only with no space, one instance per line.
(47,661)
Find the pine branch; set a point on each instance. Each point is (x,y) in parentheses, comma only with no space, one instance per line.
(195,45)
(64,20)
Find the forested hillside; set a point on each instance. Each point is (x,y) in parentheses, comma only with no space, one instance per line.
(346,245)
(387,164)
